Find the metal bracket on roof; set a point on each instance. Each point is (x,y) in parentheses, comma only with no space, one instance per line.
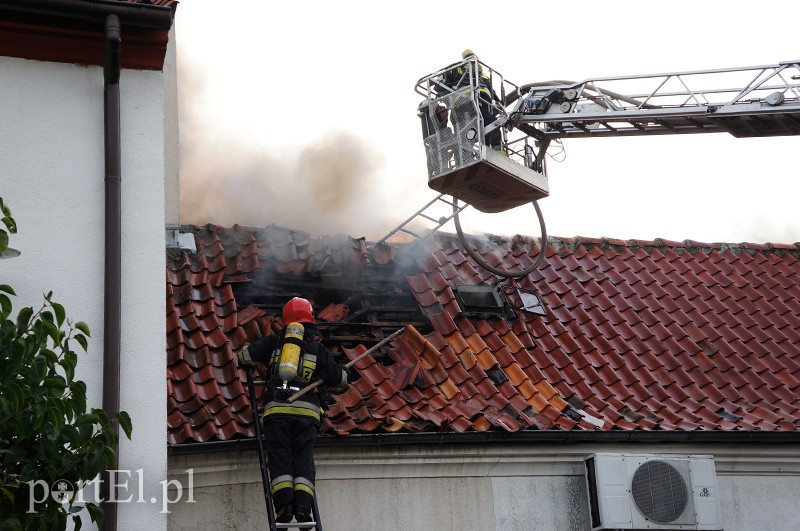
(177,239)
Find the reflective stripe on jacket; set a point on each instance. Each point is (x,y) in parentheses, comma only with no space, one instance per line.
(298,407)
(456,78)
(316,363)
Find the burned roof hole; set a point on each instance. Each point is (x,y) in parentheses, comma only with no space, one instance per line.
(354,376)
(384,360)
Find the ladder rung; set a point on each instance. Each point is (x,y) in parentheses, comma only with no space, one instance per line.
(410,232)
(421,214)
(295,525)
(430,218)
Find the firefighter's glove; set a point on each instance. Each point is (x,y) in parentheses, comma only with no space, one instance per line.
(245,359)
(347,376)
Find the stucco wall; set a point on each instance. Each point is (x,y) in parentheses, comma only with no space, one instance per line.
(171,141)
(52,174)
(491,487)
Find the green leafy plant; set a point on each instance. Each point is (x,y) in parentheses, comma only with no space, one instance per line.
(47,436)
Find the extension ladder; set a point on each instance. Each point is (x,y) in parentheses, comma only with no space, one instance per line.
(421,214)
(262,459)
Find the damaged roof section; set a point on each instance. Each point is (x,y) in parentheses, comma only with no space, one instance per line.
(231,291)
(606,335)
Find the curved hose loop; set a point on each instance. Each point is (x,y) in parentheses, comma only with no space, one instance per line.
(504,273)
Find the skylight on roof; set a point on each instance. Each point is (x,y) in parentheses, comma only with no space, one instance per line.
(483,301)
(531,302)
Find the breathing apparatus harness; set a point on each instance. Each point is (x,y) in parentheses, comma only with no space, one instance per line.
(285,375)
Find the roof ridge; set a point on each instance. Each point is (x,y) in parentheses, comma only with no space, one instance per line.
(605,243)
(687,245)
(557,242)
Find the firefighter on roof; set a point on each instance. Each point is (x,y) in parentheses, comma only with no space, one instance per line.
(294,358)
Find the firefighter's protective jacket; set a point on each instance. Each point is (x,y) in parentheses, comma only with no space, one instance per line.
(316,363)
(459,77)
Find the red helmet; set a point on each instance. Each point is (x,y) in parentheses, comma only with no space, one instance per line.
(298,310)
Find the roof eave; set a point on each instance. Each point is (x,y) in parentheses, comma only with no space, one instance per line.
(528,437)
(72,31)
(136,14)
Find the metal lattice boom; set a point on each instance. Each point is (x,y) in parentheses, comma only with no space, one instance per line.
(745,102)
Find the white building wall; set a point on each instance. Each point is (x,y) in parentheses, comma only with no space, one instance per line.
(171,140)
(52,174)
(511,487)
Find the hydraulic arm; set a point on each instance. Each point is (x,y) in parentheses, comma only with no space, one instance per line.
(486,138)
(745,102)
(755,101)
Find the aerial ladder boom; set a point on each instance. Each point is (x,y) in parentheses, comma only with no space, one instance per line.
(465,105)
(767,104)
(756,101)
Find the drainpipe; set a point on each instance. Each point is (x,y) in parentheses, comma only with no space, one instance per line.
(136,15)
(113,250)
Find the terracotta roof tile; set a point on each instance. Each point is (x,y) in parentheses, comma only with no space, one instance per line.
(637,335)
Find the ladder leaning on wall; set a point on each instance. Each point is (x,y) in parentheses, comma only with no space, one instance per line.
(262,459)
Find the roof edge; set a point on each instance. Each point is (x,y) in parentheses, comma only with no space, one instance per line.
(530,437)
(135,13)
(691,246)
(72,31)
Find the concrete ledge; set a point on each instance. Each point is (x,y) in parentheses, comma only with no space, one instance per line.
(495,460)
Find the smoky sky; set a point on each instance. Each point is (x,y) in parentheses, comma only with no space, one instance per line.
(327,185)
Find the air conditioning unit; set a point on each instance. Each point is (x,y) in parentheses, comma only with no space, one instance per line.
(653,491)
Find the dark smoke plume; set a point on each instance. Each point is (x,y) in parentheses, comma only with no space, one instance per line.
(326,187)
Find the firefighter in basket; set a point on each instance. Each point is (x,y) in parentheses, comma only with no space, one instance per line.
(463,77)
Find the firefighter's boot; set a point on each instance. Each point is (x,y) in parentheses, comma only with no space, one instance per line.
(303,514)
(284,513)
